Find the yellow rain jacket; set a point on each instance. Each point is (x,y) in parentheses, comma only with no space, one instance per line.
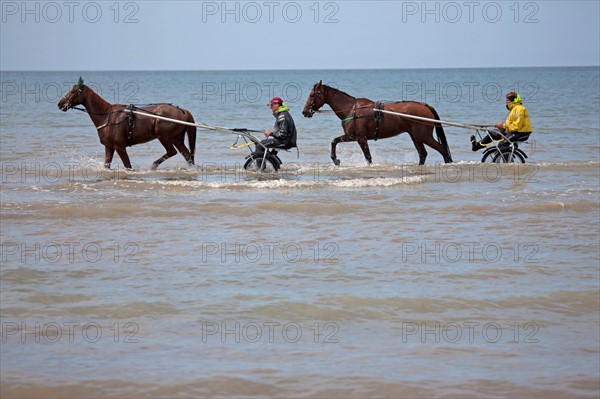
(518,119)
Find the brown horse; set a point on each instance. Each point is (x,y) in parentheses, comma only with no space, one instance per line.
(361,123)
(119,128)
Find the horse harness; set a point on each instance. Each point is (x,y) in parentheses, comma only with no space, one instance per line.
(378,116)
(131,120)
(130,123)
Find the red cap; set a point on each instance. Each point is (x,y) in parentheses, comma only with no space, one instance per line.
(275,100)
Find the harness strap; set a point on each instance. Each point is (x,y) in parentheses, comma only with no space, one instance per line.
(353,109)
(378,117)
(103,113)
(130,123)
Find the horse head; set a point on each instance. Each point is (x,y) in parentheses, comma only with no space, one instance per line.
(315,100)
(73,97)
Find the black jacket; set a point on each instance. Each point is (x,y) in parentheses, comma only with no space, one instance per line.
(284,129)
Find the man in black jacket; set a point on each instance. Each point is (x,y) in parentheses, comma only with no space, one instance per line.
(284,132)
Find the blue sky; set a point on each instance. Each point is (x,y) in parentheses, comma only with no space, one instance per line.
(265,34)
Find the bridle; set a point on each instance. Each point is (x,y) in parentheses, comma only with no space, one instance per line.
(311,107)
(71,95)
(312,110)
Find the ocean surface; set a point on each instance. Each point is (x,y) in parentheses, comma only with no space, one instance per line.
(388,280)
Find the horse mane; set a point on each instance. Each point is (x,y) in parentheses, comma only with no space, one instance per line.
(95,100)
(382,101)
(338,91)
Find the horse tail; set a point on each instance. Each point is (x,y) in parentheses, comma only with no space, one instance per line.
(191,132)
(439,131)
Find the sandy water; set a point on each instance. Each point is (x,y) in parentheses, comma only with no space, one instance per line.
(387,280)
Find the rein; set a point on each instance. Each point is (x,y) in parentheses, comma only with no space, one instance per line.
(375,110)
(330,111)
(102,113)
(128,109)
(378,112)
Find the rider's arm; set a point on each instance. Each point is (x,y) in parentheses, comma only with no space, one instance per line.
(281,128)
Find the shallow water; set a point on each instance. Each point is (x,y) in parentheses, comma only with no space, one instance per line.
(390,280)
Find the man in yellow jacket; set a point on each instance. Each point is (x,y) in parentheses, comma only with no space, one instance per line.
(517,124)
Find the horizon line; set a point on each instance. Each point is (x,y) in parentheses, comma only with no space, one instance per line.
(292,69)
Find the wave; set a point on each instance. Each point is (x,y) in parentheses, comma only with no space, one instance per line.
(222,175)
(352,307)
(537,207)
(269,182)
(273,383)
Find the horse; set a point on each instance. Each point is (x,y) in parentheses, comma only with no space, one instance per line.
(362,123)
(118,127)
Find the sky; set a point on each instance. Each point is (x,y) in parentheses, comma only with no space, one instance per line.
(279,34)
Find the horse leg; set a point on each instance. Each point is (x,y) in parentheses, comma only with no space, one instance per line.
(171,151)
(433,143)
(124,157)
(364,145)
(420,149)
(108,156)
(334,143)
(179,144)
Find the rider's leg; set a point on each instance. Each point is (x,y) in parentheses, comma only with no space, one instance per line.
(481,144)
(474,144)
(487,140)
(514,137)
(269,141)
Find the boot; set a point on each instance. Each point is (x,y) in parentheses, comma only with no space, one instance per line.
(474,144)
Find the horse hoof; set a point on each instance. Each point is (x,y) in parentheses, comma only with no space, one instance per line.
(336,162)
